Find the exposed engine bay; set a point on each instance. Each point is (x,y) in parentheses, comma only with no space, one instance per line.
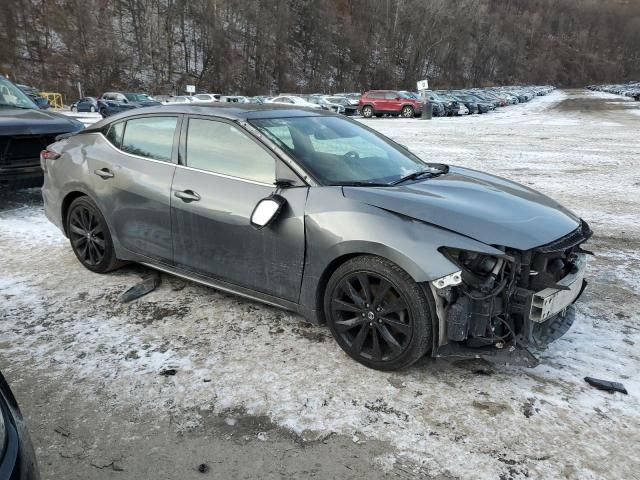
(521,299)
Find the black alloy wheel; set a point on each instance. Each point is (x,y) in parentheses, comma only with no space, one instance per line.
(378,314)
(89,236)
(86,235)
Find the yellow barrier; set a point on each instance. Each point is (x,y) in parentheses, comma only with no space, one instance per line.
(55,99)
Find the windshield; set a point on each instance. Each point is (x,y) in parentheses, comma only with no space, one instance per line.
(340,152)
(137,97)
(12,96)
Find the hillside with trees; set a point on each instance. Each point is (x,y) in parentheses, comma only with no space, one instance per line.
(253,47)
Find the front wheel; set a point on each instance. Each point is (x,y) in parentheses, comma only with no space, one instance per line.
(407,111)
(367,111)
(74,109)
(92,108)
(90,237)
(378,314)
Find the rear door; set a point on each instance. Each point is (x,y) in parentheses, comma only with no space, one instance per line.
(132,175)
(393,102)
(225,173)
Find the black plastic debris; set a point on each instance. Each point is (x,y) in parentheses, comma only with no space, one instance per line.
(168,372)
(606,385)
(203,468)
(148,284)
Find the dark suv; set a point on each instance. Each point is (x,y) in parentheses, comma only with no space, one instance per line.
(393,102)
(115,102)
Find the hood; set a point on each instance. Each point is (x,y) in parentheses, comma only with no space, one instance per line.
(19,121)
(490,209)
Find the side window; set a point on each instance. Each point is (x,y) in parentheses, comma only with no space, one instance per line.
(223,148)
(377,95)
(391,95)
(114,134)
(150,137)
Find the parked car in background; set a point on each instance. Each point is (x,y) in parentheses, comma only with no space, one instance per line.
(455,107)
(234,99)
(35,96)
(85,104)
(293,100)
(205,97)
(468,101)
(398,256)
(350,109)
(17,456)
(25,130)
(392,102)
(115,102)
(323,102)
(177,99)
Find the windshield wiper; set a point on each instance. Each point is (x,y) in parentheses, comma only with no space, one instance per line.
(411,176)
(360,184)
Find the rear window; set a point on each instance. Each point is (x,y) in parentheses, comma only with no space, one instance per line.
(150,137)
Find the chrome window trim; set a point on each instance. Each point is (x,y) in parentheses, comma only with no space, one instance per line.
(231,177)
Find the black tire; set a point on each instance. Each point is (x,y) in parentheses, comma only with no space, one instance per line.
(74,109)
(367,111)
(90,237)
(103,112)
(407,112)
(378,314)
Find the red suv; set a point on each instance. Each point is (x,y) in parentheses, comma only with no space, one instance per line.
(379,102)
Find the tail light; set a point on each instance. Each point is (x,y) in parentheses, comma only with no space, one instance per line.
(45,156)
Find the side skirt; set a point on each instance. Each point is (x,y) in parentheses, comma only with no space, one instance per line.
(230,288)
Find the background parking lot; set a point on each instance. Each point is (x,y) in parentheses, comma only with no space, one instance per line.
(95,380)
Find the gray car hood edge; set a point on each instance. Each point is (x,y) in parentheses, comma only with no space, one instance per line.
(484,207)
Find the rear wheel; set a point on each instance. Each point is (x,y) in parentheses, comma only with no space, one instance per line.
(103,112)
(92,108)
(367,111)
(74,109)
(89,236)
(407,111)
(378,314)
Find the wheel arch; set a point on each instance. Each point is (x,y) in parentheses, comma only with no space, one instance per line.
(66,203)
(349,250)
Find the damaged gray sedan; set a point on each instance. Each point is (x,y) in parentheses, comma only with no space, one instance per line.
(318,214)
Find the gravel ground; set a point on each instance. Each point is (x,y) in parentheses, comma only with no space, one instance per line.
(258,393)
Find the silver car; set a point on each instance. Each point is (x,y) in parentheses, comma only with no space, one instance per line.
(313,212)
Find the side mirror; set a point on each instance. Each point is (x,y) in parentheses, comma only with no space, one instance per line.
(267,210)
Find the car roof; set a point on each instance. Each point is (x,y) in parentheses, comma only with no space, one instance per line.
(229,111)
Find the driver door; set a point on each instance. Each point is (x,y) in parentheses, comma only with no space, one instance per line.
(223,176)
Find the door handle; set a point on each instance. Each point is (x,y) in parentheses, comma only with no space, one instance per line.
(187,195)
(103,173)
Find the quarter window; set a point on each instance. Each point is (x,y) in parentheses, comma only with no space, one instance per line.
(114,134)
(223,148)
(150,137)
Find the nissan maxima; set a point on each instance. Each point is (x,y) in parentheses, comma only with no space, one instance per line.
(319,214)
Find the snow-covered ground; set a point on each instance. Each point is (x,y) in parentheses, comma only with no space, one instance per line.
(77,356)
